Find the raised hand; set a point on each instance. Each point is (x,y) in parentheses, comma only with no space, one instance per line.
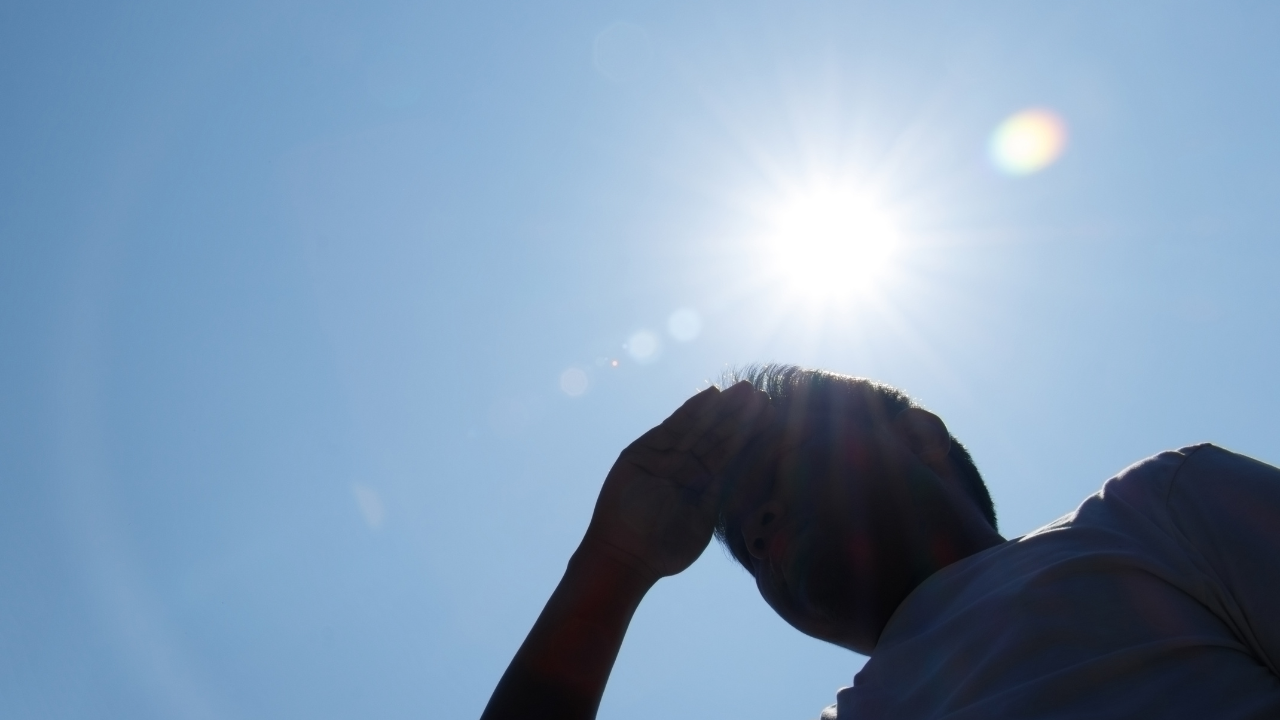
(657,508)
(654,517)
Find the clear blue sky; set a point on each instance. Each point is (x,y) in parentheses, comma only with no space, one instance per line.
(291,296)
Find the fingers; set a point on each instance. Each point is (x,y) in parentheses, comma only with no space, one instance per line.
(691,421)
(694,411)
(708,428)
(703,435)
(732,430)
(738,425)
(669,433)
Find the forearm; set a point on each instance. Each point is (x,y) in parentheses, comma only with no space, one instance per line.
(561,669)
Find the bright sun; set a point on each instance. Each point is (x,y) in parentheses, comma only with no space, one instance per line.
(831,243)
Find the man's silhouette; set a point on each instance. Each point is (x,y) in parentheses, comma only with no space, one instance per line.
(866,524)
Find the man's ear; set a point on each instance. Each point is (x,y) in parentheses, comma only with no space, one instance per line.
(925,434)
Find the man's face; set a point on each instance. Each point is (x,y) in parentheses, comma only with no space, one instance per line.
(817,512)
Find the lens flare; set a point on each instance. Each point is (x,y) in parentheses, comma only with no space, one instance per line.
(684,325)
(831,242)
(1028,142)
(573,382)
(643,346)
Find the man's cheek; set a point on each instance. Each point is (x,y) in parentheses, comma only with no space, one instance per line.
(834,570)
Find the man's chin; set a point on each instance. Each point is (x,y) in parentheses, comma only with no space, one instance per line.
(813,621)
(838,634)
(825,611)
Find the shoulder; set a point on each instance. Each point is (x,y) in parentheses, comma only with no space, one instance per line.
(1133,499)
(1153,475)
(1208,463)
(1147,487)
(1217,490)
(1192,464)
(1193,481)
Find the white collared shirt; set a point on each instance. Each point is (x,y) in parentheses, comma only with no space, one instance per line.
(1159,597)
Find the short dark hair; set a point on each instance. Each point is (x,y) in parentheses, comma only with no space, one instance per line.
(790,385)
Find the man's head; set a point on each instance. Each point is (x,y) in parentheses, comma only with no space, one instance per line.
(852,498)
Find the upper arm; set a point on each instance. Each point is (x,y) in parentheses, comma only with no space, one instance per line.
(1227,507)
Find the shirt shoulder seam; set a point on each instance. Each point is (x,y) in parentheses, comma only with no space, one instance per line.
(1187,454)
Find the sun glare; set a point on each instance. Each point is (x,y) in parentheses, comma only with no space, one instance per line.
(1028,142)
(831,243)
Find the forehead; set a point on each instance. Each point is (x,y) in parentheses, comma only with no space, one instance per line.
(797,436)
(823,415)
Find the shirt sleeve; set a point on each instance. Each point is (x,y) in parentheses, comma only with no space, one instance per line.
(1227,508)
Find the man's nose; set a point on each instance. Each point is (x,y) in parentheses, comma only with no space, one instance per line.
(761,527)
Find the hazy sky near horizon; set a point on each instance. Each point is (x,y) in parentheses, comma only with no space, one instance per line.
(320,324)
